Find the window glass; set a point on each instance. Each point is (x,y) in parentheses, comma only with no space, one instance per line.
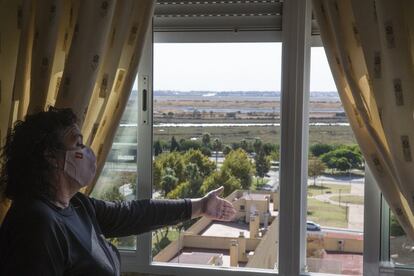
(216,121)
(401,246)
(119,175)
(335,212)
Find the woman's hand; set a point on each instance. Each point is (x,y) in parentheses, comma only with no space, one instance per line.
(213,207)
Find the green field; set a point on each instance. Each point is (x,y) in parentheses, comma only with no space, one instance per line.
(324,213)
(351,199)
(160,240)
(327,214)
(172,235)
(268,134)
(328,189)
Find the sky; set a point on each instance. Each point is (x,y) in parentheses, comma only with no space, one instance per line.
(229,67)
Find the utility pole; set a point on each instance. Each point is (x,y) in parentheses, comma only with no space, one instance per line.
(346,210)
(340,197)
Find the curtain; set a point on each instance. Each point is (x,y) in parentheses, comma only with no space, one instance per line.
(370,46)
(82,54)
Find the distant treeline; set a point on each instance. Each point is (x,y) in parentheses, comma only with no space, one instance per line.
(337,157)
(276,94)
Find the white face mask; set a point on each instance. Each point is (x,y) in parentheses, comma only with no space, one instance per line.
(80,165)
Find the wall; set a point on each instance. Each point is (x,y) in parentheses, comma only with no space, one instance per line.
(349,245)
(261,206)
(169,252)
(315,246)
(199,226)
(197,241)
(266,253)
(211,242)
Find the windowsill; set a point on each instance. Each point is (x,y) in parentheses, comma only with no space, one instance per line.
(160,268)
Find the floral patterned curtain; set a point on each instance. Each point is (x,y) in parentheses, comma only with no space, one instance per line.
(82,54)
(370,46)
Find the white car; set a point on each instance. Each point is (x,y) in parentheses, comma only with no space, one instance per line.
(312,226)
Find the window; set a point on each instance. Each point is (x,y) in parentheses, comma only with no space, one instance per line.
(293,149)
(291,261)
(216,121)
(118,179)
(387,249)
(401,248)
(396,248)
(335,211)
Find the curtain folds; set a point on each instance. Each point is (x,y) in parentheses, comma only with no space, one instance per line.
(82,54)
(370,47)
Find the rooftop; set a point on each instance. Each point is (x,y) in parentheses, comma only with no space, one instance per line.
(199,251)
(255,196)
(200,256)
(226,229)
(338,263)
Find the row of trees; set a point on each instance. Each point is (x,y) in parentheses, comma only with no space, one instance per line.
(263,152)
(192,174)
(340,158)
(337,157)
(207,145)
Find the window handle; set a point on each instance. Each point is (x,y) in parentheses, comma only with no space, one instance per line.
(144,88)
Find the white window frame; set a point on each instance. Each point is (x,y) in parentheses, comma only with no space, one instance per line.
(376,233)
(377,223)
(296,44)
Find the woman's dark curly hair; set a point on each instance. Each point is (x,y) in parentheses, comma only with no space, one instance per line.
(32,143)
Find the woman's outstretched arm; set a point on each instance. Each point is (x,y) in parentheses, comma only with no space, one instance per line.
(117,219)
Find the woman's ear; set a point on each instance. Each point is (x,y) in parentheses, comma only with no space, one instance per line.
(55,159)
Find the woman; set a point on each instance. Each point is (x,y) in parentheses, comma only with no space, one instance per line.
(51,228)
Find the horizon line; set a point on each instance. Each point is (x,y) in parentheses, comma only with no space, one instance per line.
(235,91)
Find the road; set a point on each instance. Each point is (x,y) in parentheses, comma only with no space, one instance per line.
(273,180)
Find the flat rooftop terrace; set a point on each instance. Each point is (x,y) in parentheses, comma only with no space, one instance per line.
(200,256)
(337,263)
(226,229)
(254,196)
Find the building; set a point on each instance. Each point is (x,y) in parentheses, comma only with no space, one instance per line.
(246,242)
(252,240)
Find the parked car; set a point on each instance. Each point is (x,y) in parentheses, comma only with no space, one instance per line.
(312,226)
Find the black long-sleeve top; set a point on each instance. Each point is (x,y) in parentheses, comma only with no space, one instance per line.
(38,238)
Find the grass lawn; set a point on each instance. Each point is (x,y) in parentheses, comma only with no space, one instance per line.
(258,183)
(172,235)
(162,241)
(327,214)
(268,134)
(328,189)
(352,199)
